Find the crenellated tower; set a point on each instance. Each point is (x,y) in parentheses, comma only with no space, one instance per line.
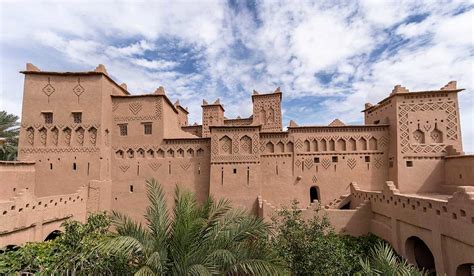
(267,110)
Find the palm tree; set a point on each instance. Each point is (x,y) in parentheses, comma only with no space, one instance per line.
(207,239)
(384,261)
(9,130)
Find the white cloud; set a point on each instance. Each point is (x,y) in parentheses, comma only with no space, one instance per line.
(282,43)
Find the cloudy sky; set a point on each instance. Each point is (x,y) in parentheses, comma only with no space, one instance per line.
(328,57)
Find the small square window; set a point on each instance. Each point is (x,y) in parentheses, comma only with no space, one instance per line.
(123,129)
(235,170)
(367,158)
(410,163)
(334,159)
(48,117)
(147,128)
(77,116)
(316,160)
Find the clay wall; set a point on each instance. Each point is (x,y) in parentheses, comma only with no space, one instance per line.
(459,170)
(322,157)
(427,122)
(16,176)
(62,145)
(29,218)
(182,162)
(442,222)
(212,115)
(267,110)
(235,165)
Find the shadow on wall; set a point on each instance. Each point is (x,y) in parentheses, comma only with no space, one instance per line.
(53,235)
(420,254)
(465,270)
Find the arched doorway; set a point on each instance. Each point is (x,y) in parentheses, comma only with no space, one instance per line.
(419,253)
(313,194)
(53,235)
(465,270)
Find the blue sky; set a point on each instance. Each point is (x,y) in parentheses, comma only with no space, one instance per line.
(328,57)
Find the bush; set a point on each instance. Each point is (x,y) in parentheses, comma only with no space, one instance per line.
(311,247)
(74,252)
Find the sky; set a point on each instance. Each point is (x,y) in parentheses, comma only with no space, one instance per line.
(327,57)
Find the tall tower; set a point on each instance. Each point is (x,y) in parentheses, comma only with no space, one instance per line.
(267,110)
(212,115)
(422,125)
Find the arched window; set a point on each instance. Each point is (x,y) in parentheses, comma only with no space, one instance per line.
(313,194)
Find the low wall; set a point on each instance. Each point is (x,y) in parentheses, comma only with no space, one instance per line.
(459,170)
(444,223)
(15,176)
(27,218)
(353,222)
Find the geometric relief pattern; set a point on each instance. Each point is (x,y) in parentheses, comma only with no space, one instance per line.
(246,145)
(80,136)
(451,125)
(136,107)
(93,135)
(383,142)
(30,133)
(378,161)
(351,163)
(154,166)
(325,163)
(78,89)
(225,145)
(308,163)
(185,165)
(48,89)
(124,167)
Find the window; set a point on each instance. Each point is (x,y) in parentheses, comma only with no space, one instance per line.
(316,160)
(123,129)
(367,158)
(147,128)
(409,163)
(235,170)
(334,159)
(77,117)
(48,117)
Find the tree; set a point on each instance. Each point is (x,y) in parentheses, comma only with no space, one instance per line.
(9,131)
(207,239)
(384,261)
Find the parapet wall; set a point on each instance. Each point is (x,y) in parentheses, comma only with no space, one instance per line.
(16,176)
(459,170)
(444,223)
(352,222)
(26,218)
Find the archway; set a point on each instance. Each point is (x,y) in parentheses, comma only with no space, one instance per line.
(420,254)
(313,194)
(465,270)
(53,235)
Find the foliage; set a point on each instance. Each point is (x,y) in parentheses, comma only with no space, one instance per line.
(200,239)
(311,247)
(74,252)
(384,261)
(9,131)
